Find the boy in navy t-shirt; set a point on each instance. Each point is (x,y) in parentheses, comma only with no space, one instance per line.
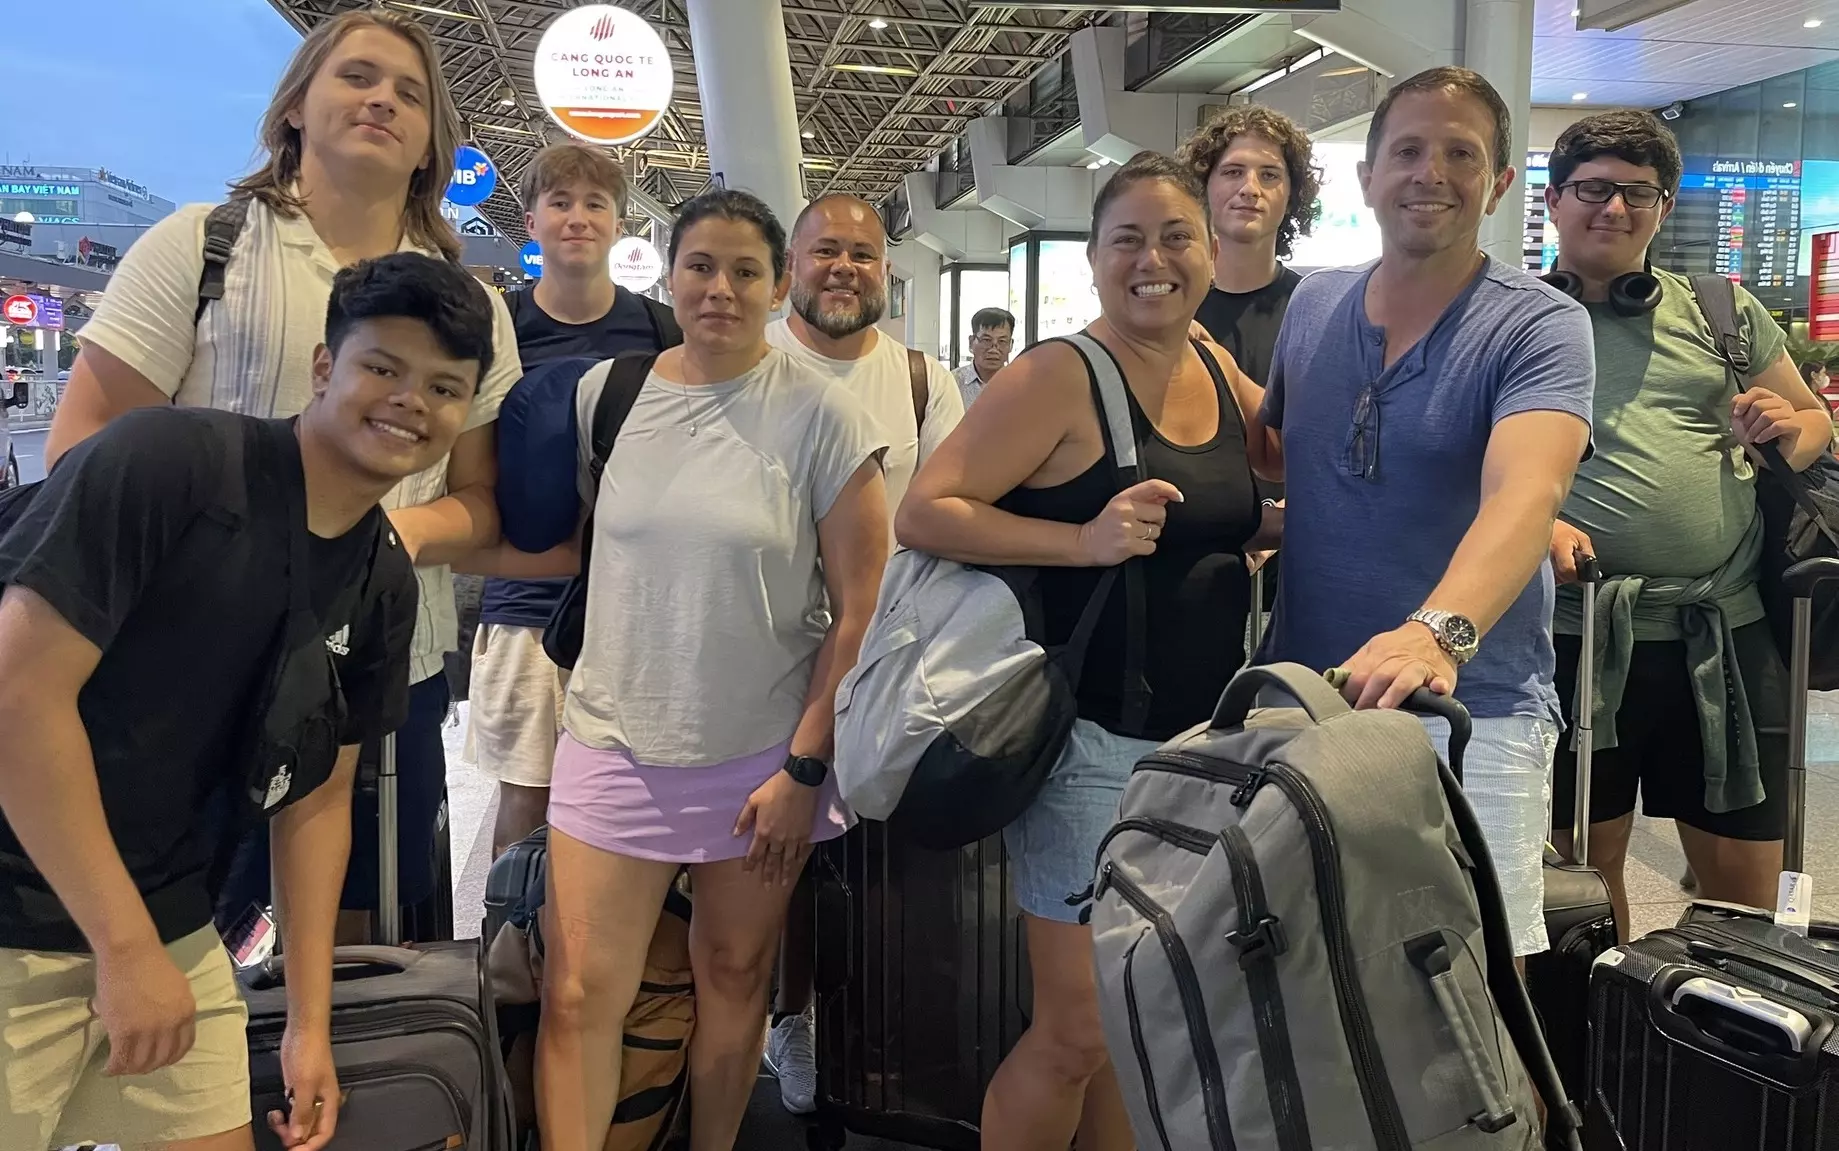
(574,200)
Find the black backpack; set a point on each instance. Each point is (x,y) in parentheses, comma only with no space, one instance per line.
(1800,510)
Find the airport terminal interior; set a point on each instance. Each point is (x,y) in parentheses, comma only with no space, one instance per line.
(976,135)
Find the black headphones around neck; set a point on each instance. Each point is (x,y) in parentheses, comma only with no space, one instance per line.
(1630,294)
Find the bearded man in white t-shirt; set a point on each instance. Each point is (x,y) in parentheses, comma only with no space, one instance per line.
(839,266)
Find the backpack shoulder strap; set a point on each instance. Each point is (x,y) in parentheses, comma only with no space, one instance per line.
(1717,300)
(624,380)
(221,228)
(1112,396)
(663,323)
(917,373)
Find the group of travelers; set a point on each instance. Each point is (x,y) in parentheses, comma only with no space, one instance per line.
(274,450)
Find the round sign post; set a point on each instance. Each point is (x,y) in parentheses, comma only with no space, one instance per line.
(475,177)
(635,264)
(603,74)
(20,310)
(531,257)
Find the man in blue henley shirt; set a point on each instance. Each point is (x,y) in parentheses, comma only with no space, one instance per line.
(1432,408)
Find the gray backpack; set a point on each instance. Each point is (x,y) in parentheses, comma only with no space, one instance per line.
(1300,939)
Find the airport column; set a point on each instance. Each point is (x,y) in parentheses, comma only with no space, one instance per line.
(744,76)
(1498,42)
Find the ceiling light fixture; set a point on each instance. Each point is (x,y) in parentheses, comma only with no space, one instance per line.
(504,129)
(1095,165)
(808,134)
(877,23)
(431,10)
(878,69)
(1813,22)
(1580,95)
(1791,104)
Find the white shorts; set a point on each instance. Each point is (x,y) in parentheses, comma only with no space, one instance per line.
(1507,775)
(516,709)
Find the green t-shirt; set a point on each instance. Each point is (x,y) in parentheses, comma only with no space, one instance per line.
(1668,491)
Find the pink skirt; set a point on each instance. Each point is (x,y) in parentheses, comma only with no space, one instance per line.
(671,814)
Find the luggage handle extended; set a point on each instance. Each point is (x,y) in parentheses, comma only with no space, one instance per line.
(1590,575)
(1801,580)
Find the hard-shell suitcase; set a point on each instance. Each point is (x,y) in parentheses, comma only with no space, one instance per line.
(1722,1033)
(922,987)
(415,1043)
(1579,918)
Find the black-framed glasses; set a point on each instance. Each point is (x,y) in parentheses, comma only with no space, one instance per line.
(987,340)
(1602,191)
(1363,440)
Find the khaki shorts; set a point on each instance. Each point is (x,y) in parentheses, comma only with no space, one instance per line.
(516,710)
(53,1050)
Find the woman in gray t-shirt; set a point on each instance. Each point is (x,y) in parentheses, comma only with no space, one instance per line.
(739,535)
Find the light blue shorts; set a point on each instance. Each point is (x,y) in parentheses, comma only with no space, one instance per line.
(1054,845)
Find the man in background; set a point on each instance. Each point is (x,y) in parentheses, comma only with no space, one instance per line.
(839,254)
(574,204)
(992,340)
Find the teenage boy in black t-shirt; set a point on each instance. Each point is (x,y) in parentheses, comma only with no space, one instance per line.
(154,585)
(1262,183)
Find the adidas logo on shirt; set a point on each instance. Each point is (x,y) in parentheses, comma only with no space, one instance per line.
(339,642)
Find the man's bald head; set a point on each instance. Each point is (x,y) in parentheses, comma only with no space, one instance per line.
(839,265)
(839,207)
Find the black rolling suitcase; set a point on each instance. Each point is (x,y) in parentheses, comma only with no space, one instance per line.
(1722,1033)
(1579,918)
(922,987)
(414,1032)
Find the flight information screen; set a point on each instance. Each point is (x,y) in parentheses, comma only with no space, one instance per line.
(1742,219)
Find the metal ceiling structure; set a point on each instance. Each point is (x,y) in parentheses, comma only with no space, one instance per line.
(881,86)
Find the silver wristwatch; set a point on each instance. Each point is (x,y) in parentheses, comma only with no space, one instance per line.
(1456,634)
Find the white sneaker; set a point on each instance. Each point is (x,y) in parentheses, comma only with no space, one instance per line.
(791,1055)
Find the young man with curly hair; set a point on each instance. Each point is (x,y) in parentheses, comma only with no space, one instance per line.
(1262,184)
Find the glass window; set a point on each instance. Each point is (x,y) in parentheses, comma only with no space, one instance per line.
(1066,298)
(945,318)
(1018,291)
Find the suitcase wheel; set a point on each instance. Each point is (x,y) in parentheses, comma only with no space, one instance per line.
(821,1136)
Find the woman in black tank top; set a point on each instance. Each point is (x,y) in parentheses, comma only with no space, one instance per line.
(1026,480)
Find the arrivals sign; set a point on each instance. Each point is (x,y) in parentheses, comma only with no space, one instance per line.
(603,74)
(635,264)
(475,178)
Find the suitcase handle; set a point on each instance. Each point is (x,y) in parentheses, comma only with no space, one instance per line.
(1804,578)
(1795,1028)
(348,963)
(1448,708)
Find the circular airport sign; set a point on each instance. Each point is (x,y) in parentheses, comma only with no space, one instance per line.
(603,74)
(635,264)
(475,177)
(21,310)
(531,257)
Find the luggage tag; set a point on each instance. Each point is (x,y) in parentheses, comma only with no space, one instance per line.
(251,939)
(1794,901)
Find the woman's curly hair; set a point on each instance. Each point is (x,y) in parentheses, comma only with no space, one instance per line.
(1204,149)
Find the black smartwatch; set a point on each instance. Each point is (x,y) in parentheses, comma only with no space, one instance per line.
(807,769)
